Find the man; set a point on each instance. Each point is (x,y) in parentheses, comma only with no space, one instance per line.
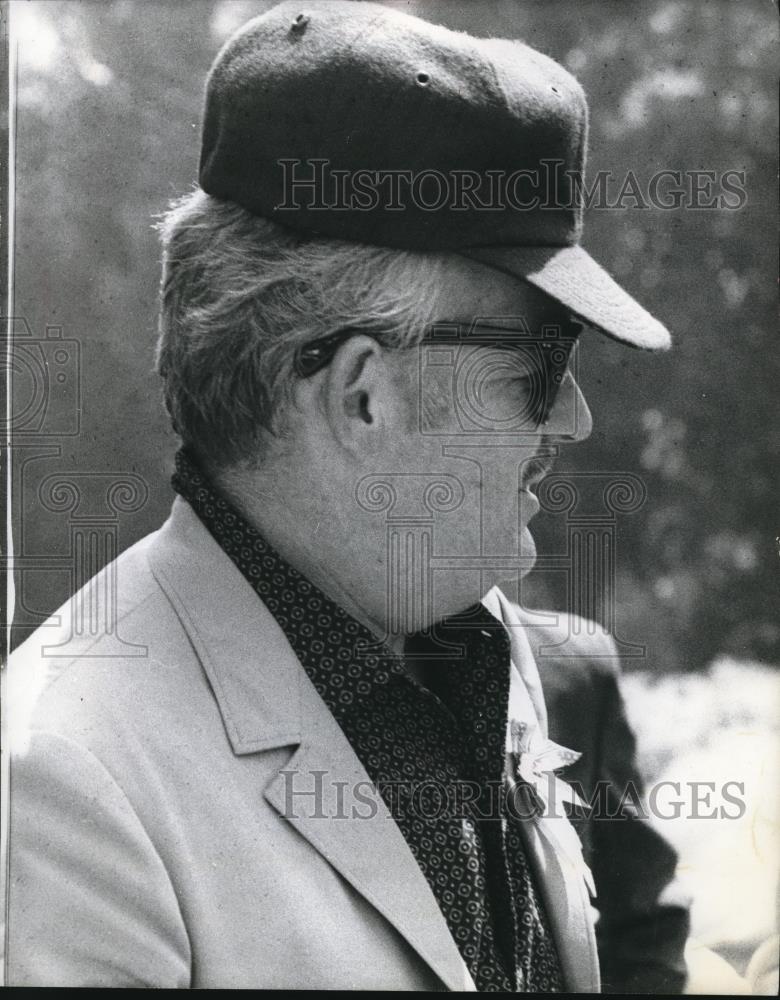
(320,756)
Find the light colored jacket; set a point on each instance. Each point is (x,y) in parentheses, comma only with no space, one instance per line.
(160,832)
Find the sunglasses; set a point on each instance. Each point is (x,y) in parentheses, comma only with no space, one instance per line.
(545,354)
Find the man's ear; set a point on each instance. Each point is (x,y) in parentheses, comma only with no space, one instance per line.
(359,396)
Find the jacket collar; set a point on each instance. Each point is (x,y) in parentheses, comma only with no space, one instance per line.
(253,672)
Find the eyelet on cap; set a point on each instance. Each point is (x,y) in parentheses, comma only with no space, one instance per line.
(422,79)
(299,24)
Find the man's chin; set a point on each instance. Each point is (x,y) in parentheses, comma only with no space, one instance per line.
(527,550)
(507,579)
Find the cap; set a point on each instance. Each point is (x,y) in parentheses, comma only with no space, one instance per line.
(354,121)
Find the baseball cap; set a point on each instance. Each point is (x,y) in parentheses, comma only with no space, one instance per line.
(351,120)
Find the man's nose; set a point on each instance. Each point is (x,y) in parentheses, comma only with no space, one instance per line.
(570,418)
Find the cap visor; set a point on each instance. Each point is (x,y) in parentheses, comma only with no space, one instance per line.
(572,277)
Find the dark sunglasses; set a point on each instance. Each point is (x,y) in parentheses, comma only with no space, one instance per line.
(546,353)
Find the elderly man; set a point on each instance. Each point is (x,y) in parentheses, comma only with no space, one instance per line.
(312,749)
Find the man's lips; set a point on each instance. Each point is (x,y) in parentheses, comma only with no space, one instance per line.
(534,472)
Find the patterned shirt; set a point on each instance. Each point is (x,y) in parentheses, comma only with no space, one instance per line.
(436,752)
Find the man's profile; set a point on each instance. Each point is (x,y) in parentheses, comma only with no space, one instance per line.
(326,761)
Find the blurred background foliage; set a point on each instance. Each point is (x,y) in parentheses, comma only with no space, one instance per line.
(108,107)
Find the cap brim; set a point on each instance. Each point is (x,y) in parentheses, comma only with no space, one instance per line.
(572,277)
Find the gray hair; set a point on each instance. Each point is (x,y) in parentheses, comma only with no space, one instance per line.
(241,294)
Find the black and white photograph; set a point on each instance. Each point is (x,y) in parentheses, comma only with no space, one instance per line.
(391,550)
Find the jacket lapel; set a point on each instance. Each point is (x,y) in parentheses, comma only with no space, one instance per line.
(553,846)
(557,865)
(359,838)
(267,701)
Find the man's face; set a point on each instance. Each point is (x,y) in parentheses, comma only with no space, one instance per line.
(472,440)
